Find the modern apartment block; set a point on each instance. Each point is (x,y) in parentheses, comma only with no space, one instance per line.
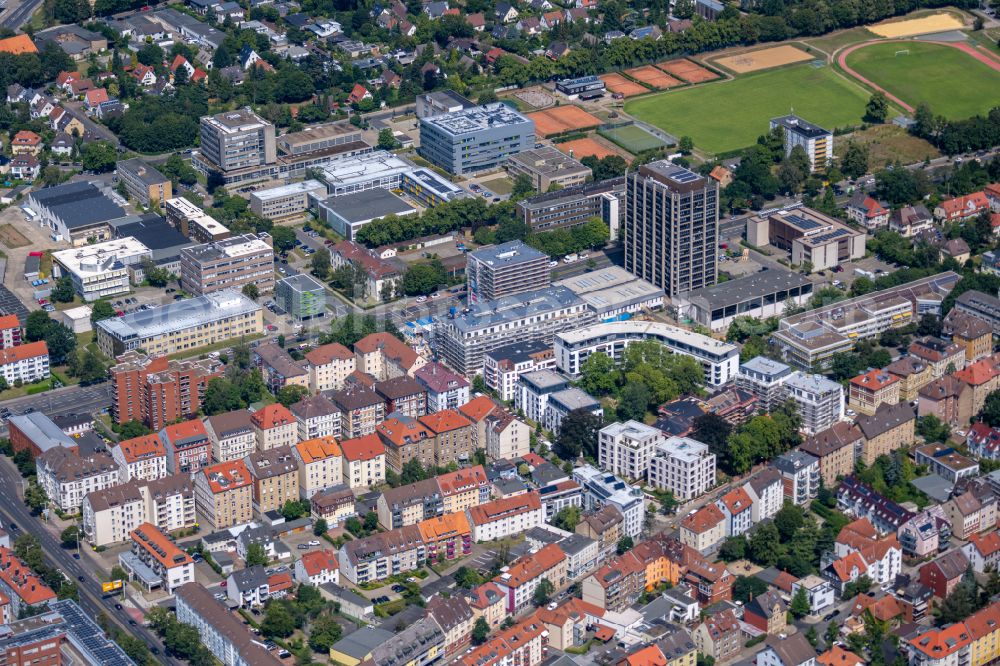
(765,379)
(157,391)
(575,205)
(143,182)
(504,270)
(475,139)
(464,339)
(816,141)
(820,401)
(193,222)
(626,448)
(224,636)
(683,466)
(301,296)
(186,324)
(671,227)
(229,264)
(238,146)
(503,366)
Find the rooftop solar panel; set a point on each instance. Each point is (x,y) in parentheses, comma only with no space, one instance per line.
(830,236)
(803,223)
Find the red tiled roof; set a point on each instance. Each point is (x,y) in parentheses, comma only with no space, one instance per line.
(362,448)
(162,549)
(318,561)
(703,519)
(23,352)
(146,446)
(226,476)
(445,421)
(21,580)
(326,354)
(874,380)
(391,346)
(272,416)
(186,430)
(978,373)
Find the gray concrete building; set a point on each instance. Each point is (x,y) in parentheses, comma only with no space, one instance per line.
(237,145)
(504,270)
(143,182)
(470,140)
(229,264)
(575,205)
(301,296)
(671,227)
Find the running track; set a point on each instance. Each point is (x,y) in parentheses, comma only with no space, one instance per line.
(989,61)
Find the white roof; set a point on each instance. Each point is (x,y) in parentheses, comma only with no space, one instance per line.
(101,257)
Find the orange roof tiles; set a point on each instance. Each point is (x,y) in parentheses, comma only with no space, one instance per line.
(225,476)
(478,408)
(272,416)
(315,450)
(445,421)
(959,205)
(573,607)
(20,579)
(530,567)
(737,501)
(651,655)
(850,567)
(442,527)
(391,346)
(162,549)
(502,508)
(17,45)
(485,595)
(703,519)
(978,373)
(401,433)
(186,430)
(874,380)
(146,446)
(9,321)
(318,561)
(500,648)
(279,582)
(987,544)
(326,354)
(359,449)
(984,621)
(939,643)
(23,352)
(838,656)
(462,480)
(26,138)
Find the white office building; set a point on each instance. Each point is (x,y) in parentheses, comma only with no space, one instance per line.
(683,466)
(626,448)
(101,270)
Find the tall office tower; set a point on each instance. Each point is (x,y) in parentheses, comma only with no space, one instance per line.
(237,140)
(671,227)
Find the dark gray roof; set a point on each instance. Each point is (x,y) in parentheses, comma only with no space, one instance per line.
(248,579)
(78,204)
(368,205)
(155,233)
(762,283)
(886,418)
(361,643)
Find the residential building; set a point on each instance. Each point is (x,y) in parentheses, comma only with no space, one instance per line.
(301,296)
(382,555)
(224,494)
(819,592)
(944,357)
(463,488)
(719,636)
(157,390)
(767,492)
(520,580)
(499,518)
(946,462)
(910,221)
(101,270)
(792,650)
(188,446)
(820,401)
(767,612)
(866,211)
(981,305)
(171,565)
(109,515)
(328,366)
(704,529)
(143,458)
(275,476)
(409,504)
(547,166)
(889,429)
(836,448)
(800,475)
(971,332)
(983,552)
(364,461)
(228,264)
(445,389)
(25,364)
(882,557)
(361,410)
(20,586)
(384,356)
(671,227)
(143,182)
(533,391)
(318,567)
(232,435)
(626,449)
(873,388)
(10,331)
(921,535)
(859,500)
(182,325)
(737,507)
(816,141)
(983,377)
(503,366)
(446,536)
(601,488)
(682,466)
(765,379)
(170,503)
(983,441)
(971,513)
(561,403)
(224,636)
(524,643)
(274,426)
(949,399)
(420,644)
(943,574)
(605,526)
(913,374)
(316,416)
(67,478)
(962,208)
(474,139)
(507,437)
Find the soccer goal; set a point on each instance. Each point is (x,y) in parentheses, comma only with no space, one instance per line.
(903,52)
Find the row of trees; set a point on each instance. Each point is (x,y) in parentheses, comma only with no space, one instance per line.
(763,437)
(958,136)
(441,219)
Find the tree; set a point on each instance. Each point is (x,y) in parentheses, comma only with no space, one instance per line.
(991,409)
(424,278)
(70,536)
(320,527)
(132,429)
(323,633)
(387,140)
(523,187)
(685,145)
(578,434)
(598,375)
(278,621)
(150,54)
(543,592)
(765,545)
(35,498)
(101,309)
(800,604)
(118,573)
(933,429)
(633,401)
(713,431)
(251,291)
(789,520)
(832,634)
(468,578)
(747,587)
(63,291)
(98,156)
(733,548)
(877,108)
(480,631)
(156,276)
(283,238)
(319,263)
(854,162)
(290,394)
(856,587)
(812,636)
(624,545)
(371,521)
(567,518)
(256,555)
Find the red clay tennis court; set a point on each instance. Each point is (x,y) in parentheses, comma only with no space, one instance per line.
(653,77)
(584,147)
(562,119)
(687,70)
(617,83)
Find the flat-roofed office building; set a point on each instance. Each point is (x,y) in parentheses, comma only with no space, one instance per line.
(548,166)
(301,296)
(229,264)
(287,201)
(614,293)
(809,235)
(475,139)
(671,227)
(317,146)
(143,182)
(761,295)
(575,205)
(193,222)
(238,145)
(102,269)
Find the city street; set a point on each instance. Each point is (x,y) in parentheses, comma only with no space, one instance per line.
(62,401)
(19,13)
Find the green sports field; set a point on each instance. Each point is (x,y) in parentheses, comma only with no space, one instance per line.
(729,115)
(631,138)
(952,83)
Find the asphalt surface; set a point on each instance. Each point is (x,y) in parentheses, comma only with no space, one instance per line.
(14,512)
(62,402)
(21,14)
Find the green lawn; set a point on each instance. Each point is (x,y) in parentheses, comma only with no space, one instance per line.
(954,84)
(730,115)
(632,138)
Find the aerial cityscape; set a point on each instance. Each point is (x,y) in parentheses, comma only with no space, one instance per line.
(499,333)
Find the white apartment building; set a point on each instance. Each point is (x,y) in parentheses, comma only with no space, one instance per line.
(800,474)
(626,448)
(170,503)
(315,417)
(767,492)
(503,367)
(67,478)
(224,636)
(445,389)
(142,458)
(816,141)
(683,466)
(232,435)
(110,515)
(25,363)
(364,461)
(151,547)
(101,270)
(329,365)
(320,465)
(820,401)
(533,391)
(601,489)
(764,378)
(507,516)
(507,437)
(318,567)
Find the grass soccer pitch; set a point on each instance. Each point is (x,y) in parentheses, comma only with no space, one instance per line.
(951,82)
(631,138)
(730,115)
